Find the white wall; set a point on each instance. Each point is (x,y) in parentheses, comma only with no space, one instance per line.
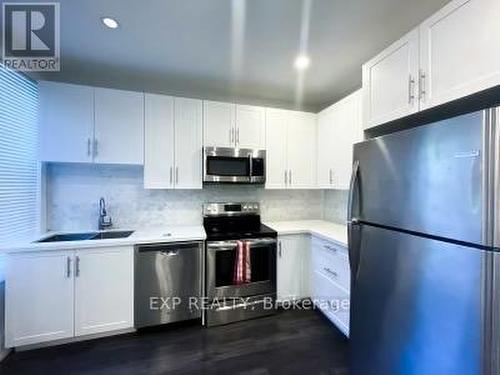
(73,192)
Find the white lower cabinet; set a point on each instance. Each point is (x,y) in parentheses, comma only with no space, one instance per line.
(293,267)
(52,295)
(330,281)
(38,298)
(104,290)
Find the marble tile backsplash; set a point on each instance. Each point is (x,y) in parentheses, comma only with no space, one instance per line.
(335,208)
(73,192)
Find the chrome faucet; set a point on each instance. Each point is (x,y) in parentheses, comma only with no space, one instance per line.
(105,221)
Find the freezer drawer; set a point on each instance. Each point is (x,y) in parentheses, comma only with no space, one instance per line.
(416,306)
(166,277)
(431,179)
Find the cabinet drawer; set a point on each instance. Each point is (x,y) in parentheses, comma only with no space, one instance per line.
(332,261)
(332,300)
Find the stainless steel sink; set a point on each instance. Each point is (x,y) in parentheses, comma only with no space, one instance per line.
(87,236)
(112,234)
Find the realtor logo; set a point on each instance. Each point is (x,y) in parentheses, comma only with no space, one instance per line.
(31,36)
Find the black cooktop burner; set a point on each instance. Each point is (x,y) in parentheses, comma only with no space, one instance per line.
(236,228)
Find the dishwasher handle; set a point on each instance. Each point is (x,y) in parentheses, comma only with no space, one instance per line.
(169,249)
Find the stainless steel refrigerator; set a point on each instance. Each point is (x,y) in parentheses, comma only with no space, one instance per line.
(424,236)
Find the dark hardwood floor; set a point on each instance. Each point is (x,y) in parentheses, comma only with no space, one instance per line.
(291,342)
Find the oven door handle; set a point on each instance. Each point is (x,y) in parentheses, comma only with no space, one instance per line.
(228,245)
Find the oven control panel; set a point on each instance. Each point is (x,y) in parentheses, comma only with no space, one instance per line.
(231,209)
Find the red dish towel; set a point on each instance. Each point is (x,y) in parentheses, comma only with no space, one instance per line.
(242,266)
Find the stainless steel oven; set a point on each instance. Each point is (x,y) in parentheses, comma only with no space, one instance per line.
(220,265)
(234,165)
(230,299)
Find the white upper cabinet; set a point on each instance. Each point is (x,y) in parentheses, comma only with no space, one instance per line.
(173,143)
(339,128)
(81,124)
(459,51)
(39,298)
(276,149)
(233,125)
(66,122)
(291,149)
(250,127)
(188,143)
(218,124)
(104,290)
(119,127)
(451,55)
(390,82)
(158,141)
(301,150)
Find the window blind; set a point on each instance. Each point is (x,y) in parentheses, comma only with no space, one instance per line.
(18,157)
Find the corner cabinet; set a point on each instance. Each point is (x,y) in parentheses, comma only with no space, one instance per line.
(291,149)
(449,56)
(339,128)
(52,295)
(233,125)
(81,124)
(173,143)
(293,264)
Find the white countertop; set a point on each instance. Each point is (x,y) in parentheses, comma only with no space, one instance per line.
(321,228)
(150,235)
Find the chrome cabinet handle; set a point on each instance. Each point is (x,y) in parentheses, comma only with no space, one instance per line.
(421,85)
(279,251)
(329,271)
(290,177)
(171,168)
(238,135)
(89,146)
(230,135)
(95,147)
(77,266)
(331,177)
(176,175)
(68,267)
(411,89)
(286,177)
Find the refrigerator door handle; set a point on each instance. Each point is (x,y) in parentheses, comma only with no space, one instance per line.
(353,228)
(352,187)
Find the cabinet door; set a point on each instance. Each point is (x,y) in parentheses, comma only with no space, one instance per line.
(104,289)
(327,121)
(188,143)
(250,127)
(66,122)
(39,297)
(459,51)
(346,133)
(119,127)
(218,124)
(293,267)
(389,82)
(301,150)
(158,141)
(276,135)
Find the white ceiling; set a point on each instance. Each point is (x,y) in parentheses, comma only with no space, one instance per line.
(239,50)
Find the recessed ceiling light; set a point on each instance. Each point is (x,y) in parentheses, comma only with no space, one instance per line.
(110,22)
(302,62)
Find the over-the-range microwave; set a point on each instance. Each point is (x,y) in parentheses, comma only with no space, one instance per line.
(234,165)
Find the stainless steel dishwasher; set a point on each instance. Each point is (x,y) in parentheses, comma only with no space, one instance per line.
(167,277)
